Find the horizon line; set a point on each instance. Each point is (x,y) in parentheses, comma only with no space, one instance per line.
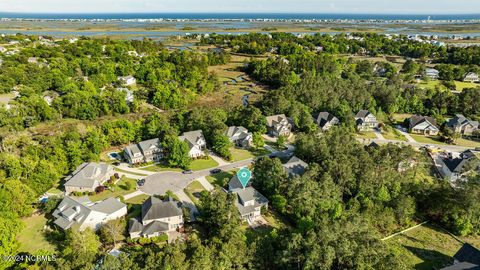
(234,12)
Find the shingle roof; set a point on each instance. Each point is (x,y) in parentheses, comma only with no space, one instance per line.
(325,117)
(108,206)
(462,266)
(87,174)
(154,208)
(271,120)
(248,194)
(460,120)
(192,137)
(155,226)
(362,114)
(234,183)
(134,225)
(416,120)
(146,145)
(295,166)
(237,133)
(468,253)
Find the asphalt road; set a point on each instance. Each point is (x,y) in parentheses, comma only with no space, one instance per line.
(451,148)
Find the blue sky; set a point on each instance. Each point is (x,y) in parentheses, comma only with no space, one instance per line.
(293,6)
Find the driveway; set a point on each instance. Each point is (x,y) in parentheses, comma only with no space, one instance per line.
(407,136)
(450,148)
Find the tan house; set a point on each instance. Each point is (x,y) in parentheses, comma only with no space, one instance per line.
(461,124)
(423,125)
(87,177)
(279,125)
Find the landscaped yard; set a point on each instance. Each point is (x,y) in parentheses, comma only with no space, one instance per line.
(129,172)
(193,191)
(119,189)
(366,135)
(458,84)
(467,143)
(137,199)
(425,247)
(391,133)
(427,139)
(220,179)
(202,164)
(160,168)
(242,154)
(32,239)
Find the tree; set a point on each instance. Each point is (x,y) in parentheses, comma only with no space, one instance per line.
(258,140)
(269,175)
(177,152)
(10,226)
(112,231)
(81,248)
(281,141)
(222,145)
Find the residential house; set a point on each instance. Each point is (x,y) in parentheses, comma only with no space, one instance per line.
(279,125)
(461,124)
(145,151)
(423,125)
(82,213)
(129,97)
(235,185)
(457,166)
(158,217)
(249,203)
(295,167)
(240,136)
(326,120)
(127,80)
(32,60)
(365,121)
(471,77)
(432,73)
(87,177)
(196,143)
(466,258)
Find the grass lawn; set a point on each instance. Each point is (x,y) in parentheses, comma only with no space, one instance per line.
(242,154)
(137,199)
(275,221)
(399,118)
(366,135)
(427,139)
(124,171)
(202,164)
(194,189)
(220,179)
(467,143)
(393,134)
(462,85)
(32,239)
(425,247)
(160,168)
(119,189)
(54,191)
(458,84)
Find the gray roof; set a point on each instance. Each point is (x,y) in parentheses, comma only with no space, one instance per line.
(134,225)
(192,137)
(462,266)
(155,226)
(468,253)
(154,208)
(234,183)
(108,206)
(295,166)
(362,114)
(460,120)
(275,119)
(132,149)
(418,119)
(325,117)
(248,194)
(456,164)
(87,174)
(148,144)
(237,133)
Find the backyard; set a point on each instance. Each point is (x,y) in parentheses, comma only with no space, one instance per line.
(242,154)
(193,191)
(32,238)
(458,85)
(366,135)
(121,188)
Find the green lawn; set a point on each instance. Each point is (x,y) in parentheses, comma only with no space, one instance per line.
(194,188)
(54,191)
(137,199)
(119,189)
(366,135)
(275,221)
(425,247)
(124,171)
(160,168)
(220,179)
(427,139)
(242,154)
(391,133)
(458,84)
(32,238)
(467,143)
(462,85)
(202,164)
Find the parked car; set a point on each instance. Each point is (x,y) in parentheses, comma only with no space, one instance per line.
(187,172)
(215,171)
(141,182)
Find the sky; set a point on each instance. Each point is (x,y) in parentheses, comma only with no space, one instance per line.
(250,6)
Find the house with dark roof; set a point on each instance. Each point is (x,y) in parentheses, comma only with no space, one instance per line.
(234,184)
(144,151)
(87,177)
(461,124)
(158,217)
(249,203)
(82,213)
(240,136)
(456,167)
(423,125)
(466,258)
(279,125)
(196,143)
(326,120)
(295,167)
(365,121)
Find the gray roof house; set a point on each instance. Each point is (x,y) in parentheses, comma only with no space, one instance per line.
(295,167)
(196,142)
(127,80)
(365,121)
(87,177)
(158,217)
(234,184)
(432,73)
(466,258)
(240,136)
(461,124)
(456,168)
(279,125)
(82,213)
(423,125)
(249,203)
(326,120)
(144,151)
(471,77)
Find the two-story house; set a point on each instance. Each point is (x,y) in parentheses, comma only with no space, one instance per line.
(461,124)
(326,120)
(365,121)
(471,77)
(158,217)
(240,136)
(456,167)
(249,203)
(87,177)
(127,80)
(196,143)
(145,151)
(279,125)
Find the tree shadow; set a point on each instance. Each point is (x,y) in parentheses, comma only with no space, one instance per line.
(432,259)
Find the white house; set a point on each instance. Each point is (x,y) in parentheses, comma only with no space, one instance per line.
(127,80)
(196,143)
(471,77)
(240,136)
(279,125)
(461,124)
(326,120)
(87,177)
(145,151)
(455,166)
(365,121)
(432,73)
(158,217)
(82,213)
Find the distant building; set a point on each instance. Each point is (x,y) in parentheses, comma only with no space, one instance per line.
(471,77)
(432,73)
(129,97)
(365,121)
(458,167)
(87,177)
(240,136)
(295,167)
(144,151)
(82,213)
(127,80)
(461,124)
(326,120)
(196,143)
(279,125)
(423,125)
(158,217)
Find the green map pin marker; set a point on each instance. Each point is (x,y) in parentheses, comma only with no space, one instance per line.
(244,176)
